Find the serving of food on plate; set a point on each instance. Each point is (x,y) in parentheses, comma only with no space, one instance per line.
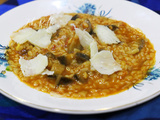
(77,55)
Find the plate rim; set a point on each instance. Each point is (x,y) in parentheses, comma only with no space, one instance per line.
(67,111)
(59,110)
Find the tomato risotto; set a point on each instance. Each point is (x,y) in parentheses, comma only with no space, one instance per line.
(80,55)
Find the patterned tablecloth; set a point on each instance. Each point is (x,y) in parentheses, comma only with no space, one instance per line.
(13,110)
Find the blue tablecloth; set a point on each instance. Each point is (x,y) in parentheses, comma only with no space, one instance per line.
(13,110)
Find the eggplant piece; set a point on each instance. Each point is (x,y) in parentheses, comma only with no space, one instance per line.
(63,81)
(60,80)
(141,44)
(60,32)
(65,59)
(81,57)
(137,49)
(62,60)
(52,76)
(50,55)
(75,17)
(79,78)
(112,27)
(82,75)
(89,29)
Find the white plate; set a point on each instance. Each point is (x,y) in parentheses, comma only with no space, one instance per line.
(133,14)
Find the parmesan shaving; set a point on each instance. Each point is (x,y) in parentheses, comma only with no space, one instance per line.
(84,37)
(106,35)
(34,66)
(47,72)
(52,29)
(93,51)
(60,19)
(93,48)
(22,35)
(104,63)
(40,38)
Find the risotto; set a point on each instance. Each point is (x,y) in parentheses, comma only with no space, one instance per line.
(80,55)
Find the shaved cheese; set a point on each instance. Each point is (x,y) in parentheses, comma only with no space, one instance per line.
(22,35)
(106,35)
(104,63)
(34,66)
(41,38)
(52,29)
(93,51)
(60,19)
(47,72)
(84,37)
(93,48)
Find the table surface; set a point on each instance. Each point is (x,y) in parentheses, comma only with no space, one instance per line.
(13,110)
